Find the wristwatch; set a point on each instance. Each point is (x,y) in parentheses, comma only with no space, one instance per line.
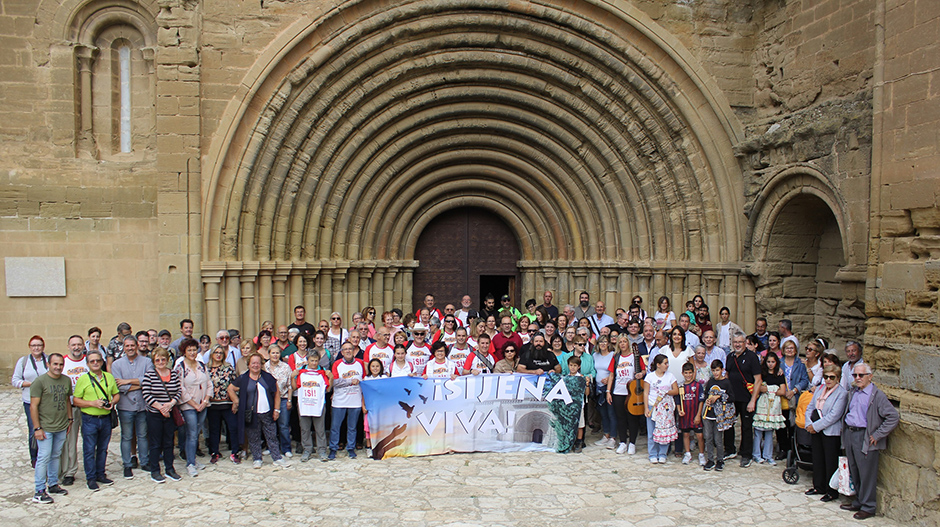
(38,428)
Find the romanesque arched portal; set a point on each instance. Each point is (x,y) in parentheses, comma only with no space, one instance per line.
(586,128)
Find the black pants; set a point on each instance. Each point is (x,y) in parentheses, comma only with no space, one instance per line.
(216,415)
(628,425)
(747,431)
(160,435)
(825,461)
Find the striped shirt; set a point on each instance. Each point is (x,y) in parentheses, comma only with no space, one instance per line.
(155,391)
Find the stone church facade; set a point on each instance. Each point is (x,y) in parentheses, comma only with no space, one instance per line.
(225,161)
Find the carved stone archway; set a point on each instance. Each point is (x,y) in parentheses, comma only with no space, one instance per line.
(587,128)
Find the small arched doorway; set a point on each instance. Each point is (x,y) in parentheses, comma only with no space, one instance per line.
(468,250)
(805,253)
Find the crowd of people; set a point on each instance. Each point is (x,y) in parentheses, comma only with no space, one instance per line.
(681,380)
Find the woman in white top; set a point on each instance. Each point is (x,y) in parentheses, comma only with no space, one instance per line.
(336,335)
(664,317)
(725,328)
(602,356)
(676,351)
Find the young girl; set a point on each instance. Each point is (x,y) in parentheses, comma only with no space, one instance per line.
(768,415)
(524,330)
(664,317)
(376,371)
(440,366)
(660,386)
(401,367)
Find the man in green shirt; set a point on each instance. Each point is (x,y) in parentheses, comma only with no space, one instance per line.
(52,415)
(96,392)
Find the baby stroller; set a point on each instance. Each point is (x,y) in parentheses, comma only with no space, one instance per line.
(801,454)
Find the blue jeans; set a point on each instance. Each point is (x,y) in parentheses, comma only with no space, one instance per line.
(47,459)
(655,449)
(283,427)
(763,445)
(352,416)
(96,434)
(134,423)
(194,422)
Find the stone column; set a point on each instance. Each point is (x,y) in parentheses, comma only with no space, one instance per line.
(365,289)
(398,291)
(378,294)
(748,292)
(265,293)
(352,295)
(213,321)
(713,298)
(248,325)
(339,281)
(389,289)
(279,294)
(295,294)
(658,289)
(730,283)
(407,288)
(86,57)
(232,300)
(316,286)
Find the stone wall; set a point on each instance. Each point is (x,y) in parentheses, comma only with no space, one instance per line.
(902,303)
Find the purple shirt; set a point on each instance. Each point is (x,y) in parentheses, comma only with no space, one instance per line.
(858,408)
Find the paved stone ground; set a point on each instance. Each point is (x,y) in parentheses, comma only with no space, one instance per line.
(593,488)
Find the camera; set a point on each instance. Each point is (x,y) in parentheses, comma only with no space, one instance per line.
(105,403)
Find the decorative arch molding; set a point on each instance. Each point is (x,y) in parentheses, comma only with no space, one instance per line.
(778,191)
(587,127)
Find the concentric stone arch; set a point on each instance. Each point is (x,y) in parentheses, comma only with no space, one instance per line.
(585,126)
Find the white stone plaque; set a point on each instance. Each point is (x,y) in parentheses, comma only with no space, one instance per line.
(35,276)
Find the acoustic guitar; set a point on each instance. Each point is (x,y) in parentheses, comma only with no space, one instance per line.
(635,387)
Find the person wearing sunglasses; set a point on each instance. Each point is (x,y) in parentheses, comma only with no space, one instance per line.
(869,418)
(824,423)
(95,394)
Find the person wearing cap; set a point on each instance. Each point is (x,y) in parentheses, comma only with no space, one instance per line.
(506,308)
(418,350)
(116,346)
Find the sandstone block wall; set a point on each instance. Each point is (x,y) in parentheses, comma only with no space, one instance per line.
(902,333)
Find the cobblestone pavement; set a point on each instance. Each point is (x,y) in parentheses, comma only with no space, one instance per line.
(595,487)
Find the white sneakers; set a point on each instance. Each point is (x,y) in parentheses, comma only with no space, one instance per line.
(602,441)
(612,443)
(257,464)
(701,459)
(686,458)
(191,469)
(622,448)
(631,449)
(288,455)
(282,463)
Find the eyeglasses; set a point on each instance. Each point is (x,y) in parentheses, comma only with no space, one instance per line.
(94,361)
(335,318)
(419,333)
(830,377)
(223,338)
(858,375)
(37,345)
(579,344)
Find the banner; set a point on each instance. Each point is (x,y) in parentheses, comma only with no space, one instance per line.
(411,416)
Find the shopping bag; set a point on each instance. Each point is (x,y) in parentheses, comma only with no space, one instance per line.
(841,479)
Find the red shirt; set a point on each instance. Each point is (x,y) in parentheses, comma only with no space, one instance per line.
(500,341)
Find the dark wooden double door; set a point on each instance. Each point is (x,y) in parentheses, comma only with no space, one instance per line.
(466,251)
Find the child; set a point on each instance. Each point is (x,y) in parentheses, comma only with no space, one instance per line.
(691,395)
(718,416)
(768,415)
(660,386)
(574,368)
(401,367)
(440,367)
(376,371)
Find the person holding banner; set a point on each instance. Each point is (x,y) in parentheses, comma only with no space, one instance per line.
(539,360)
(311,382)
(510,360)
(441,366)
(401,367)
(480,360)
(419,352)
(347,398)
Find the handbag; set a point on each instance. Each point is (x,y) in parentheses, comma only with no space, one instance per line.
(113,413)
(841,479)
(175,412)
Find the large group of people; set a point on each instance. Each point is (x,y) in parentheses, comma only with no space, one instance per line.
(680,380)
